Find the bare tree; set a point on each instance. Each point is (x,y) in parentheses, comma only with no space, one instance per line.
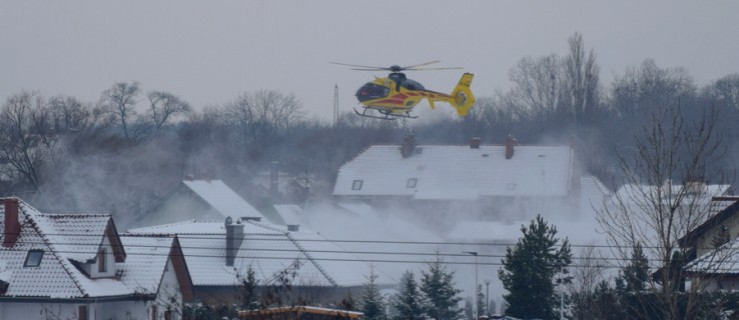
(538,85)
(580,85)
(640,90)
(653,212)
(26,137)
(164,106)
(121,100)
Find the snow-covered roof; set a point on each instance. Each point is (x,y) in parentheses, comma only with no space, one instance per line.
(698,198)
(66,241)
(267,249)
(224,200)
(457,172)
(722,261)
(79,236)
(145,263)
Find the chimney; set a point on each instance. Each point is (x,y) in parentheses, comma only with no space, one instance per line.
(694,184)
(234,237)
(409,144)
(509,143)
(12,224)
(474,143)
(274,176)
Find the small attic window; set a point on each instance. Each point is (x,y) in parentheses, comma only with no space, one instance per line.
(357,184)
(485,155)
(411,183)
(33,258)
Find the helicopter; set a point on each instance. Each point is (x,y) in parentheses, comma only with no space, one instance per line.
(396,95)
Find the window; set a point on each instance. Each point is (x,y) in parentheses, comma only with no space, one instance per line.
(154,312)
(101,261)
(411,183)
(357,184)
(372,91)
(82,313)
(33,258)
(168,315)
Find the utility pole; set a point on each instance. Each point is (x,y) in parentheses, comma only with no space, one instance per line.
(487,297)
(336,104)
(477,303)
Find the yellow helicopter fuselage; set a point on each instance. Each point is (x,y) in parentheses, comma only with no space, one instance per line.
(396,95)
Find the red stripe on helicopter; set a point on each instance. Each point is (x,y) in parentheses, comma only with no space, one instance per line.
(390,101)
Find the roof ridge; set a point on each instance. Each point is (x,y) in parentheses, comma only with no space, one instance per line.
(264,225)
(311,259)
(74,214)
(62,261)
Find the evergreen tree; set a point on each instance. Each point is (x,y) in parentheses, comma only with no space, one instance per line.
(468,314)
(529,269)
(371,301)
(480,302)
(249,290)
(437,284)
(408,303)
(636,273)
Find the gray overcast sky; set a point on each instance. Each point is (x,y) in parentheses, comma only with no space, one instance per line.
(210,51)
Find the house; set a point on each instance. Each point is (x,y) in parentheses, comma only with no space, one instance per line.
(201,199)
(219,255)
(77,266)
(490,181)
(721,226)
(299,312)
(714,247)
(717,270)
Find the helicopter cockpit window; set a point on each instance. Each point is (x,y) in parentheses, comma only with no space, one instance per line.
(412,85)
(372,91)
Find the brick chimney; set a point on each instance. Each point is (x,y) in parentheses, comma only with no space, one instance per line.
(234,237)
(12,223)
(510,142)
(474,143)
(409,144)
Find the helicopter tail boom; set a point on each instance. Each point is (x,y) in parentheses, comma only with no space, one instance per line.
(462,97)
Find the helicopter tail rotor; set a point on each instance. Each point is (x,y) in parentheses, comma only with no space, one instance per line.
(462,97)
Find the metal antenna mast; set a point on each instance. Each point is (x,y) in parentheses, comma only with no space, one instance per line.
(336,104)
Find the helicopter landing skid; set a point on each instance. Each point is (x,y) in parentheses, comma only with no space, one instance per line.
(386,114)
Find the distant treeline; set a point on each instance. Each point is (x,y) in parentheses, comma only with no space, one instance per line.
(123,153)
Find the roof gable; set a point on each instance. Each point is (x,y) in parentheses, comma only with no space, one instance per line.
(222,198)
(80,236)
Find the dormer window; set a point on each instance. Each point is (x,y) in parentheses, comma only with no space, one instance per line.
(411,183)
(33,258)
(102,267)
(357,184)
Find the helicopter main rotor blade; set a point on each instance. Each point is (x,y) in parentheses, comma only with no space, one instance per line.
(360,66)
(420,64)
(445,68)
(368,69)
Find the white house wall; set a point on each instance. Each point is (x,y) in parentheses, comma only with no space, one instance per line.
(169,296)
(45,311)
(120,310)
